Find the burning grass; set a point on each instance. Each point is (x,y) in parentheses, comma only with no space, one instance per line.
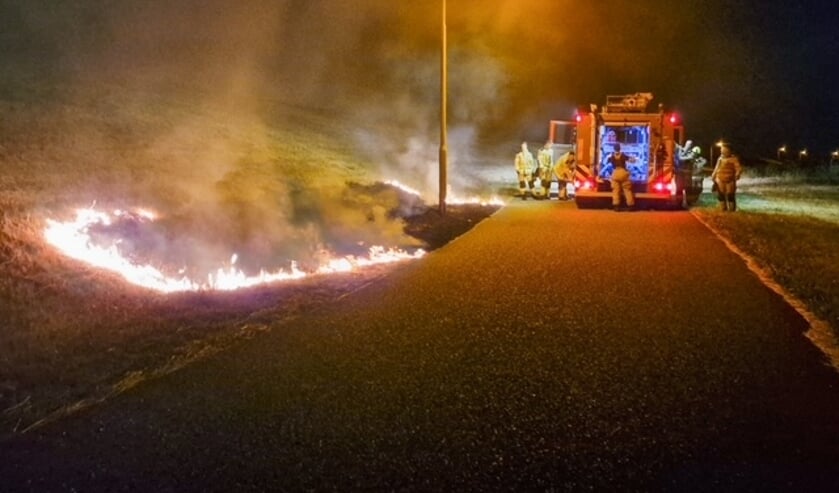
(73,334)
(286,186)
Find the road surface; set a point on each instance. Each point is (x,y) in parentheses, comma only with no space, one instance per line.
(548,349)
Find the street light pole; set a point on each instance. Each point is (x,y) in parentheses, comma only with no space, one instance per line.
(443,131)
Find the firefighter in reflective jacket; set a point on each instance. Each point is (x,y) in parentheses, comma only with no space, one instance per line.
(725,176)
(525,166)
(565,168)
(546,169)
(621,179)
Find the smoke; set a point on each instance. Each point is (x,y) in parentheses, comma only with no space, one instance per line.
(231,187)
(229,119)
(250,121)
(399,129)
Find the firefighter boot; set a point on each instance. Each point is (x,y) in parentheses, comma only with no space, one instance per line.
(562,193)
(732,205)
(723,206)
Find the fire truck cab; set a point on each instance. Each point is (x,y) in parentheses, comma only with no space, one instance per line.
(650,138)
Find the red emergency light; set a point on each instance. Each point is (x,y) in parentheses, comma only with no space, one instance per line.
(664,186)
(674,118)
(578,118)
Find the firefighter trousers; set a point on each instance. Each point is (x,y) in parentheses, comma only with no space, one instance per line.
(526,183)
(622,184)
(726,195)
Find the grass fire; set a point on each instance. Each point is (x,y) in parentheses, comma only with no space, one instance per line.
(249,162)
(75,239)
(192,197)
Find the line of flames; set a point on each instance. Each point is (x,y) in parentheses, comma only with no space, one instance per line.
(450,198)
(72,238)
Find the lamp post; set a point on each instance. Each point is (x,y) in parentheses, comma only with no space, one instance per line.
(443,131)
(781,150)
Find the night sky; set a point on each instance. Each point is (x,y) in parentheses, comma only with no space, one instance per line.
(755,73)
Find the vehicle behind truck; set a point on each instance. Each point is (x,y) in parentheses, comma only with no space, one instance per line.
(651,138)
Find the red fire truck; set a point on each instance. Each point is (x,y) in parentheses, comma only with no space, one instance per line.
(652,138)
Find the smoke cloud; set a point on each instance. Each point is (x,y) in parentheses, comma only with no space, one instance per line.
(199,100)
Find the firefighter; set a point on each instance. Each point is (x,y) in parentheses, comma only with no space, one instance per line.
(725,176)
(565,168)
(689,162)
(688,156)
(621,179)
(546,168)
(525,166)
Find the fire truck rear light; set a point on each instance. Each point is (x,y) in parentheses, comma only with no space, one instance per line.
(578,118)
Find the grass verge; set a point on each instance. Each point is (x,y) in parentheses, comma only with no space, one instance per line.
(791,230)
(70,335)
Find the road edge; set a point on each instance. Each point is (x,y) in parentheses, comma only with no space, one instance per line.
(820,332)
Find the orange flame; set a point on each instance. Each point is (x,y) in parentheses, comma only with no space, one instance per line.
(451,198)
(73,239)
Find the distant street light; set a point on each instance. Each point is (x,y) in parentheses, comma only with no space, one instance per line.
(802,153)
(719,144)
(781,150)
(443,131)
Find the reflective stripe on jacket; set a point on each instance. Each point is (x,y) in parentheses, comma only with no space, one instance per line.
(728,169)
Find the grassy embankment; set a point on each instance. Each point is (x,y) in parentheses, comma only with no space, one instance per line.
(788,222)
(71,335)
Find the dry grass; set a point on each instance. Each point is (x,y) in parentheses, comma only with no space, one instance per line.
(71,335)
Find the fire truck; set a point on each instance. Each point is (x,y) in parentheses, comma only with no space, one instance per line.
(650,138)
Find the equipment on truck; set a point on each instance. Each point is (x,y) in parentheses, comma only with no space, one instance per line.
(652,138)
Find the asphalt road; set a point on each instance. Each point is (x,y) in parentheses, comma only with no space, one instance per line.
(548,349)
